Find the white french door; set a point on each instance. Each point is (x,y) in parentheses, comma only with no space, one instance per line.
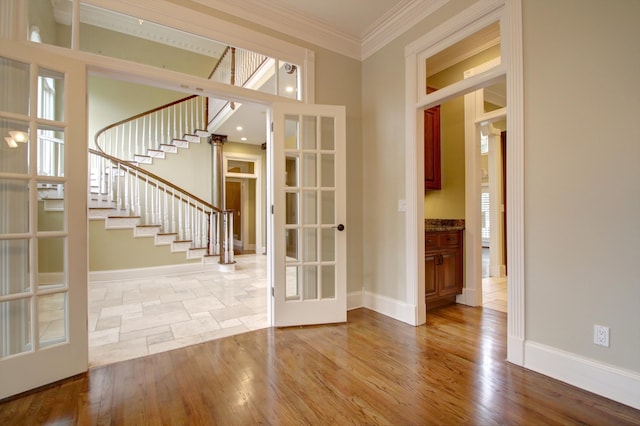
(308,197)
(43,232)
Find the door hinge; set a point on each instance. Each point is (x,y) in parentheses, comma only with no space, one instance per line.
(271,208)
(273,292)
(272,127)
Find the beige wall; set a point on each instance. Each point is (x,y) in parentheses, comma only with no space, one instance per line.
(383,135)
(582,176)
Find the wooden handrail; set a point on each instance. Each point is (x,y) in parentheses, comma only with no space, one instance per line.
(215,68)
(128,165)
(140,115)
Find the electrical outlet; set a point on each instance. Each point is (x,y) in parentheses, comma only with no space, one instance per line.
(601,335)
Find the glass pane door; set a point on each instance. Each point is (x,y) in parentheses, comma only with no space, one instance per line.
(309,205)
(42,293)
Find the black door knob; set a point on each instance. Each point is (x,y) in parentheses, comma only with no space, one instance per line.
(339,227)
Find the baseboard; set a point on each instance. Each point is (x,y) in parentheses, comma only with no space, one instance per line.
(469,297)
(390,307)
(611,382)
(123,274)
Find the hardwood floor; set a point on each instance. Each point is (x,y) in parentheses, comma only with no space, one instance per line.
(371,370)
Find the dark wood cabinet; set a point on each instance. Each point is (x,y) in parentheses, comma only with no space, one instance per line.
(432,166)
(443,267)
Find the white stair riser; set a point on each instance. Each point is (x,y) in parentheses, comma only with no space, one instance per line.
(180,246)
(121,222)
(172,149)
(192,138)
(145,231)
(196,253)
(202,133)
(156,154)
(164,240)
(143,159)
(180,143)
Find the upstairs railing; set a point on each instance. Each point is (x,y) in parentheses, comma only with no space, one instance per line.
(132,191)
(236,67)
(151,129)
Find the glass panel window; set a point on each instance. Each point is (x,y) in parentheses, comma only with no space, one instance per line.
(52,317)
(310,282)
(328,171)
(14,208)
(51,254)
(328,207)
(292,244)
(50,95)
(291,132)
(291,171)
(51,206)
(327,137)
(14,262)
(309,132)
(292,291)
(14,148)
(50,22)
(288,78)
(328,242)
(328,281)
(292,208)
(310,207)
(239,166)
(448,66)
(14,87)
(50,151)
(15,328)
(310,245)
(309,167)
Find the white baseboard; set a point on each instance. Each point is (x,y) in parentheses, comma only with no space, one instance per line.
(390,307)
(611,382)
(470,297)
(123,274)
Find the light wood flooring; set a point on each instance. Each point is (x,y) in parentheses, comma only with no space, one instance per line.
(370,370)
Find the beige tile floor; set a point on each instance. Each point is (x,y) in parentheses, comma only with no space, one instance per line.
(494,293)
(133,318)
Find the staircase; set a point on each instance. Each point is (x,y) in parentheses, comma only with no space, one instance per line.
(126,196)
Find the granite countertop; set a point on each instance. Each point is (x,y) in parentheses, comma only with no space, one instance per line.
(443,224)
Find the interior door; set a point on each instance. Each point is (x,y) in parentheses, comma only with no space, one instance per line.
(43,232)
(308,195)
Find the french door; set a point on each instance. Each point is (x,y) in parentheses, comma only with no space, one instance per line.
(43,231)
(308,269)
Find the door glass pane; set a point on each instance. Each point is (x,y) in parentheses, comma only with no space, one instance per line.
(14,274)
(310,282)
(495,96)
(52,316)
(14,148)
(328,171)
(14,206)
(15,328)
(292,244)
(328,245)
(291,132)
(292,208)
(14,87)
(50,206)
(309,134)
(310,171)
(50,151)
(327,137)
(291,172)
(328,207)
(292,287)
(50,95)
(310,208)
(51,262)
(328,281)
(239,166)
(310,245)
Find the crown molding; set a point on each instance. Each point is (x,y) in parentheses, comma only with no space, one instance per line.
(273,16)
(396,22)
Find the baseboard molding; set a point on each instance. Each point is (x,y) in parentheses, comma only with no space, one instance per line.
(390,307)
(470,297)
(123,274)
(611,382)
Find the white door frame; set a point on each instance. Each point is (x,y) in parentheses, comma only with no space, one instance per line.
(477,16)
(259,202)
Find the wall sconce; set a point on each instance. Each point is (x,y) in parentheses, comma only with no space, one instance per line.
(16,136)
(10,142)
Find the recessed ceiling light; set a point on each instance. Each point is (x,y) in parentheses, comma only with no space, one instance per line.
(239,128)
(243,139)
(289,89)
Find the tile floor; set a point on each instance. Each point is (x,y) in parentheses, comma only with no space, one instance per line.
(494,293)
(138,317)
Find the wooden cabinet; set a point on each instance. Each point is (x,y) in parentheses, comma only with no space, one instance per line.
(443,267)
(432,167)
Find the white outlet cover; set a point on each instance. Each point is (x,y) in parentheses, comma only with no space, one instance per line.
(601,335)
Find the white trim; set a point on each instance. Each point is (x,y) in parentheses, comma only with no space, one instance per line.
(355,300)
(470,20)
(602,379)
(125,274)
(393,308)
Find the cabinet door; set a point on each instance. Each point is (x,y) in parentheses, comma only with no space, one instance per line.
(432,169)
(449,279)
(430,275)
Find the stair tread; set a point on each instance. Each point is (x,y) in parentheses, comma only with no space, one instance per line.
(197,248)
(183,241)
(167,233)
(149,226)
(123,217)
